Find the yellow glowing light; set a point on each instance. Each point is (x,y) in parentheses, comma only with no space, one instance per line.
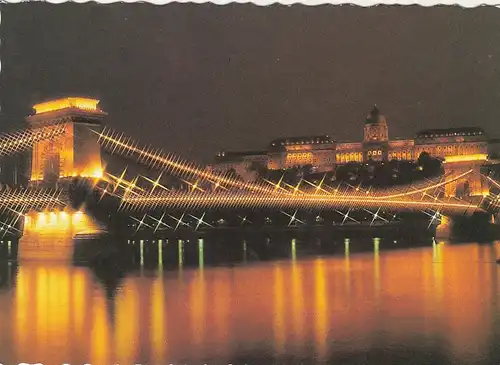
(66,103)
(61,223)
(42,218)
(77,217)
(97,173)
(466,158)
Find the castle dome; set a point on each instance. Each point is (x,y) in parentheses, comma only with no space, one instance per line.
(375,117)
(376,129)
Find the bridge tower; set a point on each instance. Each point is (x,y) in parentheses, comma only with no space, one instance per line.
(76,152)
(472,184)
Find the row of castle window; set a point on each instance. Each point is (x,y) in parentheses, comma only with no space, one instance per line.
(348,157)
(400,155)
(452,134)
(370,135)
(298,155)
(289,143)
(300,158)
(454,149)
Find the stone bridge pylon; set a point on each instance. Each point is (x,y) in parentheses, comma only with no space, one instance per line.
(73,153)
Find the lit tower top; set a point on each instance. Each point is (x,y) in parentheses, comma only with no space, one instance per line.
(376,129)
(68,103)
(76,108)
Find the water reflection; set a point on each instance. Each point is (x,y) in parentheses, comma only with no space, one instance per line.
(436,304)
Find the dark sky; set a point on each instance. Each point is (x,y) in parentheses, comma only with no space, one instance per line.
(195,79)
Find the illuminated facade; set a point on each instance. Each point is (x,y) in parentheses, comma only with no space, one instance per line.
(460,149)
(76,152)
(316,151)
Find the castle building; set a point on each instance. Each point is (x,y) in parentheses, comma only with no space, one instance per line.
(316,151)
(460,149)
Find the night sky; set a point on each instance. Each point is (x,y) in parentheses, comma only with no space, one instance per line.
(196,79)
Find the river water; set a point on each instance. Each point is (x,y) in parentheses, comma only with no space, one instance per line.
(438,304)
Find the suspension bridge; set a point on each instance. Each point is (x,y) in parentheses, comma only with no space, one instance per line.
(154,202)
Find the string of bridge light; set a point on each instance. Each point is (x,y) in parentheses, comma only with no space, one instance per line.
(146,204)
(16,203)
(24,200)
(9,227)
(154,223)
(157,223)
(134,198)
(23,139)
(179,200)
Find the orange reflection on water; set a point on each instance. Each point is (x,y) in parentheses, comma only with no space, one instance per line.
(445,292)
(100,333)
(279,298)
(321,306)
(198,299)
(48,305)
(127,320)
(298,301)
(221,281)
(159,322)
(79,300)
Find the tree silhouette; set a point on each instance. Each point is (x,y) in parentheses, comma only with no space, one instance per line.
(430,166)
